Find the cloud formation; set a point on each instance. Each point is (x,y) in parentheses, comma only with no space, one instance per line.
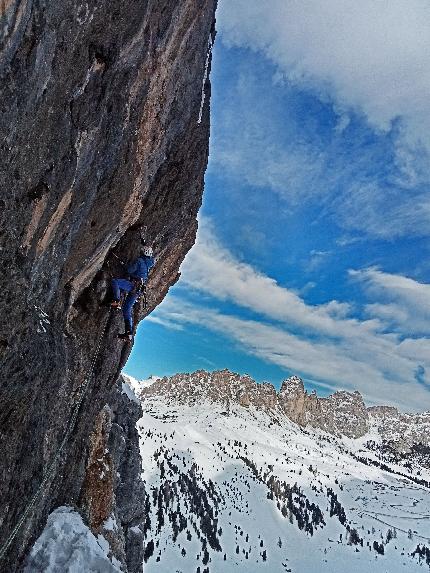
(373,57)
(211,268)
(407,302)
(367,60)
(323,342)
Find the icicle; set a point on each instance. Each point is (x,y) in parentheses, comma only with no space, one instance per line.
(205,77)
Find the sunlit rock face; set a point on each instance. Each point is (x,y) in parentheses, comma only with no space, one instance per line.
(100,143)
(341,413)
(402,431)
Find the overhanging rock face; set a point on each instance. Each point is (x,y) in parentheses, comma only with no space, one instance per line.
(99,143)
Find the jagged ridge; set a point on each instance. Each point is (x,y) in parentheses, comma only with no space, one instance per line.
(342,413)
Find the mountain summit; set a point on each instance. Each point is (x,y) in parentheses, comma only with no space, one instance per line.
(341,413)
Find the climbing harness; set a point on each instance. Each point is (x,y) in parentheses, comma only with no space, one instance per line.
(205,77)
(137,283)
(69,429)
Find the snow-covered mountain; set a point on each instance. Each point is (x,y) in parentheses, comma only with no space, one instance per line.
(241,478)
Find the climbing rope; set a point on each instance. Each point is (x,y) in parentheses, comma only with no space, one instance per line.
(205,77)
(144,297)
(69,429)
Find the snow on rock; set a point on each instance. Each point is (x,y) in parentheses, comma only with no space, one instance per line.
(292,386)
(110,524)
(129,392)
(149,381)
(66,545)
(133,387)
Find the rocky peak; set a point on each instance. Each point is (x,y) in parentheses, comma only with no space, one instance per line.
(398,430)
(294,400)
(344,413)
(222,386)
(292,387)
(383,411)
(341,413)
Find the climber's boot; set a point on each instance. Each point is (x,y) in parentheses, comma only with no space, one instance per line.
(128,332)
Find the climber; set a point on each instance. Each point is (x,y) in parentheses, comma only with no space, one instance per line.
(134,285)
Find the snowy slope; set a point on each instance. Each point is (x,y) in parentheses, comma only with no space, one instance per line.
(243,491)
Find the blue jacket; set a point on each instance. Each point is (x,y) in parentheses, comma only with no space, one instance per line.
(141,266)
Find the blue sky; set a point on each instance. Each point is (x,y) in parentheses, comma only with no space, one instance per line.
(313,249)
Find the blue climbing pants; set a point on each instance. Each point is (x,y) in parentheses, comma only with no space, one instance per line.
(123,284)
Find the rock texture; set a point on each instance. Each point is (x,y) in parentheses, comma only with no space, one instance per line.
(221,386)
(129,492)
(401,431)
(342,413)
(100,144)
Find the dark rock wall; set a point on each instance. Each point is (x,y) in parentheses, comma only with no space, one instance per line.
(129,489)
(127,504)
(99,143)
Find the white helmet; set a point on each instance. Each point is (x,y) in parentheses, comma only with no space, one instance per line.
(147,251)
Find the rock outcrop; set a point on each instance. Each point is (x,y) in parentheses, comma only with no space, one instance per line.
(129,491)
(100,144)
(401,431)
(223,386)
(341,413)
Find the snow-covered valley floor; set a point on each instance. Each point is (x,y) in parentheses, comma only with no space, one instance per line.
(242,491)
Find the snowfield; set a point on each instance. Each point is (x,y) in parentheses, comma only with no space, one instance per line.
(242,491)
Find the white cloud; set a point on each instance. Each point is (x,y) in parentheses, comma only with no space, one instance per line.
(382,377)
(168,321)
(383,211)
(406,302)
(211,268)
(319,341)
(317,260)
(250,143)
(371,56)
